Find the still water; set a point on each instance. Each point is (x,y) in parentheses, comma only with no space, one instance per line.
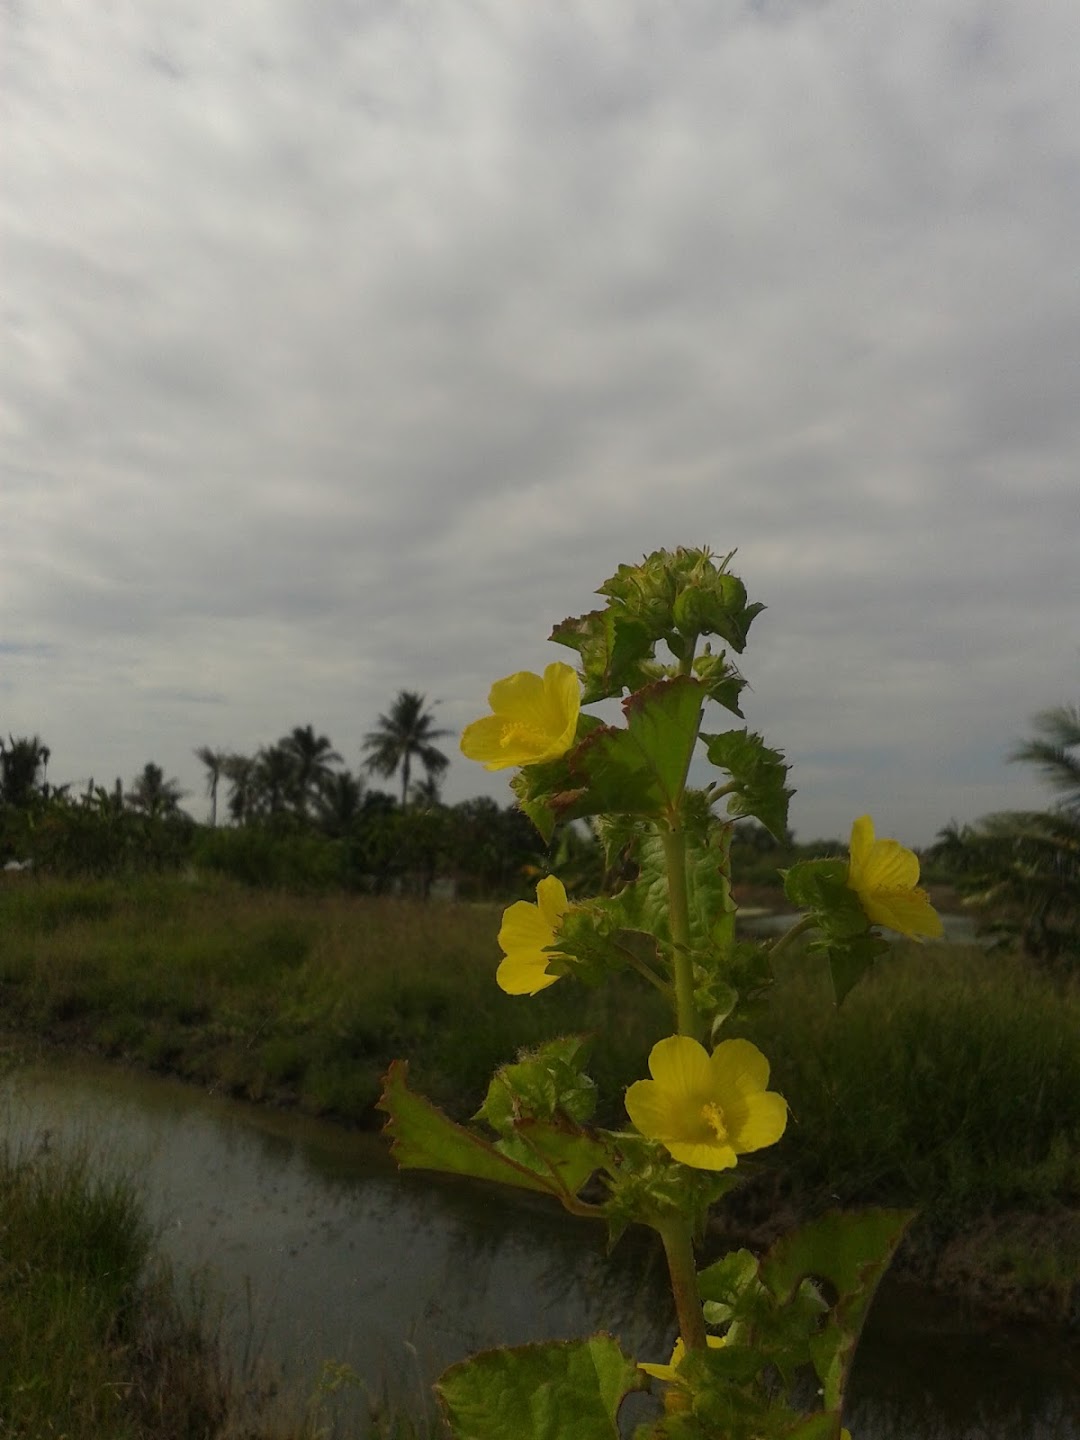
(321,1250)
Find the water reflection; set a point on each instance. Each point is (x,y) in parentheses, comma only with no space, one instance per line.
(328,1252)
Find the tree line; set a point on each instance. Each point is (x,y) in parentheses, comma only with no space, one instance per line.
(296,815)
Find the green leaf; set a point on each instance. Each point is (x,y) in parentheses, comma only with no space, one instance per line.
(821,886)
(851,1252)
(757,774)
(640,770)
(540,1392)
(544,1084)
(650,1188)
(727,1278)
(849,959)
(423,1138)
(722,681)
(535,785)
(611,647)
(847,938)
(569,1155)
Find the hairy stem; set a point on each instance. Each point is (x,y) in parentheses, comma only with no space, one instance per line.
(799,928)
(686,1016)
(679,1250)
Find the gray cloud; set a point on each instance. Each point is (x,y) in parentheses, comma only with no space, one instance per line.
(348,348)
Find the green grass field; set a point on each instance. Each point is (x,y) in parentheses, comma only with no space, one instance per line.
(949,1080)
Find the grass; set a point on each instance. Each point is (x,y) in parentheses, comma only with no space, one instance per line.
(94,1344)
(948,1077)
(949,1080)
(288,998)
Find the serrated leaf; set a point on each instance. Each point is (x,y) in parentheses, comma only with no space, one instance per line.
(722,681)
(540,1392)
(851,1252)
(423,1138)
(612,648)
(544,1084)
(728,1277)
(552,1150)
(639,770)
(758,774)
(821,886)
(535,785)
(846,936)
(849,960)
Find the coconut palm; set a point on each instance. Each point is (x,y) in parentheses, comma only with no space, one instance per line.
(241,773)
(215,762)
(153,794)
(1022,868)
(338,802)
(275,777)
(20,760)
(313,757)
(406,734)
(1056,751)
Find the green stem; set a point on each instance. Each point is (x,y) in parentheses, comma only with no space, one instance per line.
(647,972)
(679,1250)
(799,928)
(686,1016)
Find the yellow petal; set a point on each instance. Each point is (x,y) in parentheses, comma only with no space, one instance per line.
(524,974)
(702,1154)
(519,697)
(862,839)
(524,928)
(681,1067)
(737,1068)
(654,1111)
(760,1121)
(482,741)
(908,911)
(889,866)
(667,1372)
(551,901)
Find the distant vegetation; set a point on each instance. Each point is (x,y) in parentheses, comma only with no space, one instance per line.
(1020,870)
(295,817)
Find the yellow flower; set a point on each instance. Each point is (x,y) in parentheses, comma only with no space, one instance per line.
(707,1109)
(527,930)
(885,877)
(534,719)
(667,1372)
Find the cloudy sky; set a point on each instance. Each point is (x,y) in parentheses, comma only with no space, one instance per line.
(349,344)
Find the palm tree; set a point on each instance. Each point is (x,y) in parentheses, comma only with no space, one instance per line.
(241,773)
(215,762)
(407,733)
(1053,751)
(313,757)
(1022,868)
(338,802)
(275,777)
(20,761)
(153,794)
(426,794)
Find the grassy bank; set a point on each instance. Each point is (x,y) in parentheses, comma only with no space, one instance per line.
(94,1343)
(949,1080)
(287,998)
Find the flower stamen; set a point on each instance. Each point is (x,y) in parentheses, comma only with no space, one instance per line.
(714,1119)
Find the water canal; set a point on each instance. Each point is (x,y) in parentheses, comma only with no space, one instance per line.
(321,1250)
